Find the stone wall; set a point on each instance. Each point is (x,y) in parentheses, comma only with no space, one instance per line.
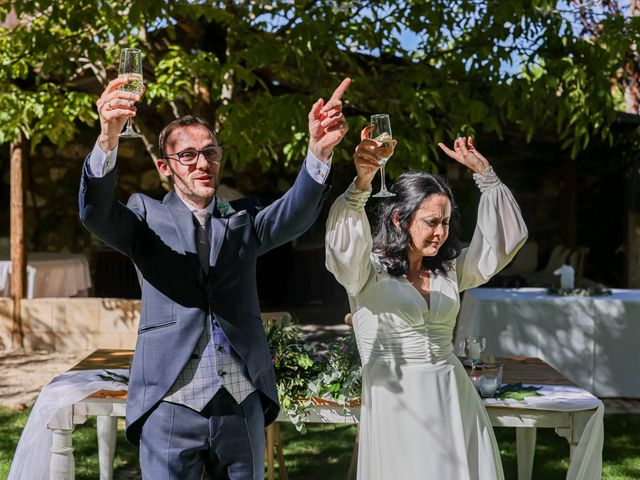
(72,324)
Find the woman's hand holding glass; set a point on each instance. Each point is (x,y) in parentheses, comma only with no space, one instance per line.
(368,159)
(465,153)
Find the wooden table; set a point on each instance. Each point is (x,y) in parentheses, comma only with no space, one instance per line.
(108,405)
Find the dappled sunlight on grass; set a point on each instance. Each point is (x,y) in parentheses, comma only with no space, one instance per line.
(325,451)
(11,424)
(85,443)
(621,447)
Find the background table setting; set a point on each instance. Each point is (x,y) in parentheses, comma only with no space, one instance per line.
(592,340)
(50,274)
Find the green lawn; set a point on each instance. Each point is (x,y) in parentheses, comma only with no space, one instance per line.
(325,451)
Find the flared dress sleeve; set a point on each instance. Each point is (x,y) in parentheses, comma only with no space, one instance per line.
(499,234)
(348,240)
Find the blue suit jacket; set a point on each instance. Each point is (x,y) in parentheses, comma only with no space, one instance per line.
(159,237)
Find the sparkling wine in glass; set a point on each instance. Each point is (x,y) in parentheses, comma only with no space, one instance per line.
(131,69)
(381,132)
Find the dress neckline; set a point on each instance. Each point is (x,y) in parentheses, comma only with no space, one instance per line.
(428,275)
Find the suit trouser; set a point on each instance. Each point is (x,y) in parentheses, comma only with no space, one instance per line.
(226,440)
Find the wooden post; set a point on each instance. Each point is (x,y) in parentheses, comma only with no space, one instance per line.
(18,263)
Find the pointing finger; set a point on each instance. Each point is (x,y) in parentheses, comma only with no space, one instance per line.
(339,92)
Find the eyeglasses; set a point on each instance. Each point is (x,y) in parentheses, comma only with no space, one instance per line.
(190,155)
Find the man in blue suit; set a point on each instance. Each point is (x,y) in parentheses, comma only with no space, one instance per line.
(202,386)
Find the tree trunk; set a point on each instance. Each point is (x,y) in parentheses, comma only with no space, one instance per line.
(18,263)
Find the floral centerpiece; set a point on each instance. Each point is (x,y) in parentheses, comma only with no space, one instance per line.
(330,371)
(340,379)
(294,366)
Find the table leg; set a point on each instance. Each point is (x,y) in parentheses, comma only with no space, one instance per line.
(525,450)
(61,465)
(282,468)
(353,466)
(269,453)
(107,428)
(579,423)
(573,434)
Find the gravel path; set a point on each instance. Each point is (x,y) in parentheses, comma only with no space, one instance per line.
(22,375)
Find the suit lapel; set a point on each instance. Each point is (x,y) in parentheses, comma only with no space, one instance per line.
(185,227)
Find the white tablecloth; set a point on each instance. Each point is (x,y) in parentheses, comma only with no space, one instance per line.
(50,275)
(31,459)
(593,341)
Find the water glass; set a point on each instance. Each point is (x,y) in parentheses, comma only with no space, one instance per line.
(490,379)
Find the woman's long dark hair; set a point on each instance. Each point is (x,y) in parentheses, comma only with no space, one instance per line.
(391,243)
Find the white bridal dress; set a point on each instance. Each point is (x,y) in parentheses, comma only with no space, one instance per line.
(421,417)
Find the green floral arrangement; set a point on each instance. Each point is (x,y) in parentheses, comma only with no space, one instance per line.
(110,376)
(331,371)
(578,292)
(340,379)
(294,366)
(516,391)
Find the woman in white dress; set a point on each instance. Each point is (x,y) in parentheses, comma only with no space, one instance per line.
(421,417)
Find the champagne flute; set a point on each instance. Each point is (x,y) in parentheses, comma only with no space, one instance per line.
(130,69)
(382,133)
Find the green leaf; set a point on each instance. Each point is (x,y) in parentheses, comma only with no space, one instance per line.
(114,377)
(516,391)
(255,68)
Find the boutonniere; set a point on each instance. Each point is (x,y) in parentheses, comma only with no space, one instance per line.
(224,208)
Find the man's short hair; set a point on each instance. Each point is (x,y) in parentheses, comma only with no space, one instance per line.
(182,122)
